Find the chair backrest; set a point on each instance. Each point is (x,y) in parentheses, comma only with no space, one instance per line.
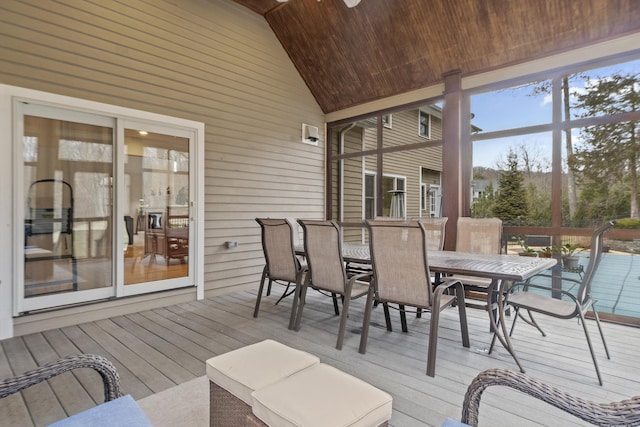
(279,252)
(323,249)
(295,228)
(595,255)
(399,262)
(434,228)
(479,235)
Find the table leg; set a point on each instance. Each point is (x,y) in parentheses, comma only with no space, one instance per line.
(499,329)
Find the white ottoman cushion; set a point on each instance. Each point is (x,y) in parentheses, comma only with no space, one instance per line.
(249,368)
(321,396)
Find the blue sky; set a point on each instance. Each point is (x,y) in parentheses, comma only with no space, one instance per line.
(517,107)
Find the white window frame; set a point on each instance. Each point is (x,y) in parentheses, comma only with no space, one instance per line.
(428,116)
(388,122)
(423,197)
(435,197)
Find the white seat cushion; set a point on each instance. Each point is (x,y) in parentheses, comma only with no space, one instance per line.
(321,396)
(249,368)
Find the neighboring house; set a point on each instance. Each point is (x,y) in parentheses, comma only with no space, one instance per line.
(414,175)
(479,186)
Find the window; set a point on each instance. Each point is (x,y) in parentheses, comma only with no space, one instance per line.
(370,196)
(558,157)
(425,124)
(386,120)
(434,201)
(423,197)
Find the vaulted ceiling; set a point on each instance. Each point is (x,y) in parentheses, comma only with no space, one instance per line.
(349,56)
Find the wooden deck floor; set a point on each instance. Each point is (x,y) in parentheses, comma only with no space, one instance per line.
(157,349)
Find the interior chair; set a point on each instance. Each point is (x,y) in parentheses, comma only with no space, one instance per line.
(622,413)
(539,296)
(281,262)
(401,276)
(482,236)
(327,272)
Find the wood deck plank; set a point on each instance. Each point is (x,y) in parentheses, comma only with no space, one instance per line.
(165,341)
(395,362)
(69,391)
(129,382)
(128,334)
(139,366)
(39,399)
(88,378)
(12,407)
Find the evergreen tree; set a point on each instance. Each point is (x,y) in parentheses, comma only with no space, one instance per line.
(610,153)
(511,201)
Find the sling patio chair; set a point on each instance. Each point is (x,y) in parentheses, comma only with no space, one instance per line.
(327,272)
(533,296)
(281,262)
(481,236)
(401,276)
(435,232)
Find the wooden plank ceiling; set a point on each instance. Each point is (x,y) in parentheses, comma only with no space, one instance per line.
(349,56)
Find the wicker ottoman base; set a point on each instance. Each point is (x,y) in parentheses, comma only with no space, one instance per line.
(225,409)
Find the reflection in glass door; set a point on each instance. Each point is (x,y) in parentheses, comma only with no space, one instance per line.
(157,208)
(67,211)
(106,206)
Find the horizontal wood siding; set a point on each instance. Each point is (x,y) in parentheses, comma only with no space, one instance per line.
(211,61)
(404,131)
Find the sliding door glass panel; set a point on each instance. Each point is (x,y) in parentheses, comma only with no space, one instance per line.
(157,207)
(67,206)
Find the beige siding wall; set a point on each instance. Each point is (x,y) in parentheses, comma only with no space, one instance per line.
(408,164)
(211,61)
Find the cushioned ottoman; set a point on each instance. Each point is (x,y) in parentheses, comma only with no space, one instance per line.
(233,376)
(321,396)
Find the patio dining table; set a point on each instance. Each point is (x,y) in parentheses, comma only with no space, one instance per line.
(501,269)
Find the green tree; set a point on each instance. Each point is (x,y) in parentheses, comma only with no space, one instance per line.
(610,153)
(511,201)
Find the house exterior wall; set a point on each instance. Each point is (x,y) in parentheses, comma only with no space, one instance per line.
(409,163)
(210,61)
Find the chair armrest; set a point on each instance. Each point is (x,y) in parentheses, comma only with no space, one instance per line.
(525,285)
(564,279)
(110,377)
(625,412)
(448,283)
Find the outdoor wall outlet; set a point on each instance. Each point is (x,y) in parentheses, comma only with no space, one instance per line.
(231,244)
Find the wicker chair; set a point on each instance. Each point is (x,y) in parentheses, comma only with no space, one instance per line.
(282,264)
(545,299)
(327,272)
(623,413)
(107,371)
(401,276)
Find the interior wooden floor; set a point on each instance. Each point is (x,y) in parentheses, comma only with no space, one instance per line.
(157,349)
